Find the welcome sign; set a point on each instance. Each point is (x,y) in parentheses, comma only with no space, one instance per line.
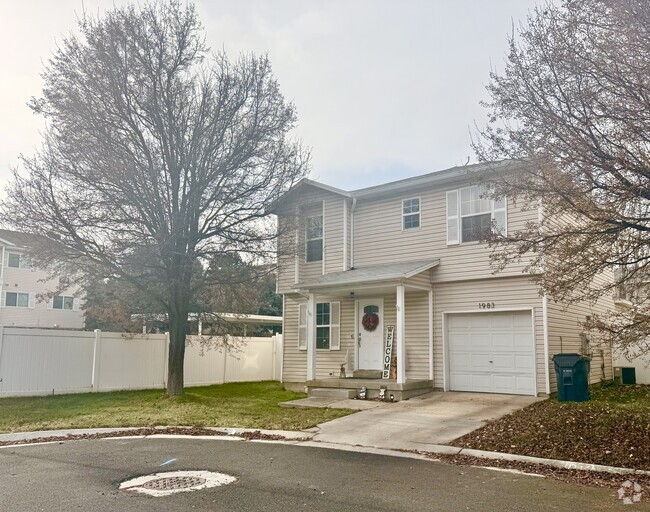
(388,352)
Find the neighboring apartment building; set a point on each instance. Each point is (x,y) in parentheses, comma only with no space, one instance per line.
(406,254)
(26,299)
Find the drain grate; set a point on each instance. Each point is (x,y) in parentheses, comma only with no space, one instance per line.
(164,484)
(173,483)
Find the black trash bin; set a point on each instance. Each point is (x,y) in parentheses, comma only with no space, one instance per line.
(572,371)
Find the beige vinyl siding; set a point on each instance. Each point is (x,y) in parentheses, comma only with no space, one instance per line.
(416,311)
(379,237)
(295,360)
(564,329)
(286,253)
(36,281)
(333,248)
(506,293)
(422,279)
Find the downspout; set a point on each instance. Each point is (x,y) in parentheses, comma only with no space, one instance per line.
(354,205)
(547,356)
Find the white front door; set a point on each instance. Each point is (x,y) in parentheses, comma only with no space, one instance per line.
(370,340)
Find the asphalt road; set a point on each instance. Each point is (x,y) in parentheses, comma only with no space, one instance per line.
(84,475)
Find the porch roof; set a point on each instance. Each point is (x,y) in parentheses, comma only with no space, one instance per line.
(371,274)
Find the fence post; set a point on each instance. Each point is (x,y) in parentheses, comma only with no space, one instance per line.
(274,344)
(225,357)
(165,365)
(97,350)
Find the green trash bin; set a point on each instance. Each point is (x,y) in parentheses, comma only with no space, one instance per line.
(572,371)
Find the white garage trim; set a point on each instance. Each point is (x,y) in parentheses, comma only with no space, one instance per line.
(445,338)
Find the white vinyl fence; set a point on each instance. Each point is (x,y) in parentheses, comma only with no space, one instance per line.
(44,361)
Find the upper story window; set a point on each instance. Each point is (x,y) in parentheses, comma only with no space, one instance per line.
(62,302)
(17,260)
(470,215)
(411,213)
(315,238)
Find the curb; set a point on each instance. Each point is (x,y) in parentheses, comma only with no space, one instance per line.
(303,438)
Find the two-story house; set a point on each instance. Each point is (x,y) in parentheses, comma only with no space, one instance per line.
(29,297)
(403,260)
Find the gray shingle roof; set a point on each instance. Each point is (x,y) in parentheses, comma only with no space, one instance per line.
(15,238)
(371,274)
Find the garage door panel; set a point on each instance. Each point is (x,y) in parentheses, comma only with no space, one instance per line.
(503,362)
(479,341)
(492,352)
(481,362)
(463,361)
(524,362)
(502,341)
(522,340)
(481,382)
(500,321)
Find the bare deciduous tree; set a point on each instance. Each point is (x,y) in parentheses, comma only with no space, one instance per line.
(158,156)
(572,105)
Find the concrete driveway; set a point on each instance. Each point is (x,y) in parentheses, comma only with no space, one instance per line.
(435,418)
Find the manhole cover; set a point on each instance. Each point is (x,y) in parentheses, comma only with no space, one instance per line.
(172,483)
(164,484)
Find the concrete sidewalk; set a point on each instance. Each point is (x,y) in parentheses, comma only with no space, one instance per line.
(433,419)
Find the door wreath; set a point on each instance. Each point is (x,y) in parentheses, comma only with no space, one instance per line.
(370,321)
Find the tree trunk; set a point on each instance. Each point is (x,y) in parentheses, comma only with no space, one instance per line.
(177,334)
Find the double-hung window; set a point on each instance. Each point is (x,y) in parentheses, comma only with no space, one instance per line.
(471,215)
(16,260)
(411,213)
(315,238)
(17,299)
(326,326)
(63,302)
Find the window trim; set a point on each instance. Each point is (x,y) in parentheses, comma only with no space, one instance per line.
(419,213)
(321,238)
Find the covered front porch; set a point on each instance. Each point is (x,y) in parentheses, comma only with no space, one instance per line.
(394,298)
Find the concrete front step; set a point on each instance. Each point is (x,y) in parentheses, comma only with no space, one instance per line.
(338,393)
(353,386)
(366,374)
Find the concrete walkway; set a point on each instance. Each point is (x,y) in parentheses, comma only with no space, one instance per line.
(433,419)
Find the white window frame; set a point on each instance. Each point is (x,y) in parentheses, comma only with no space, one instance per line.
(457,219)
(75,303)
(23,262)
(31,299)
(410,214)
(334,326)
(321,238)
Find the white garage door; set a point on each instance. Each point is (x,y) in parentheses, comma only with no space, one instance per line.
(491,352)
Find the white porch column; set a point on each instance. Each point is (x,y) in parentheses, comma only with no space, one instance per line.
(311,337)
(399,337)
(430,334)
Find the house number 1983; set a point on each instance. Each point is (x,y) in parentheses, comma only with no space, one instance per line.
(486,305)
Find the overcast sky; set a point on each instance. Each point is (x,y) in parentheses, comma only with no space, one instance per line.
(384,89)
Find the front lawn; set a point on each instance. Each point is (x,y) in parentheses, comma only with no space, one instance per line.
(612,429)
(242,405)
